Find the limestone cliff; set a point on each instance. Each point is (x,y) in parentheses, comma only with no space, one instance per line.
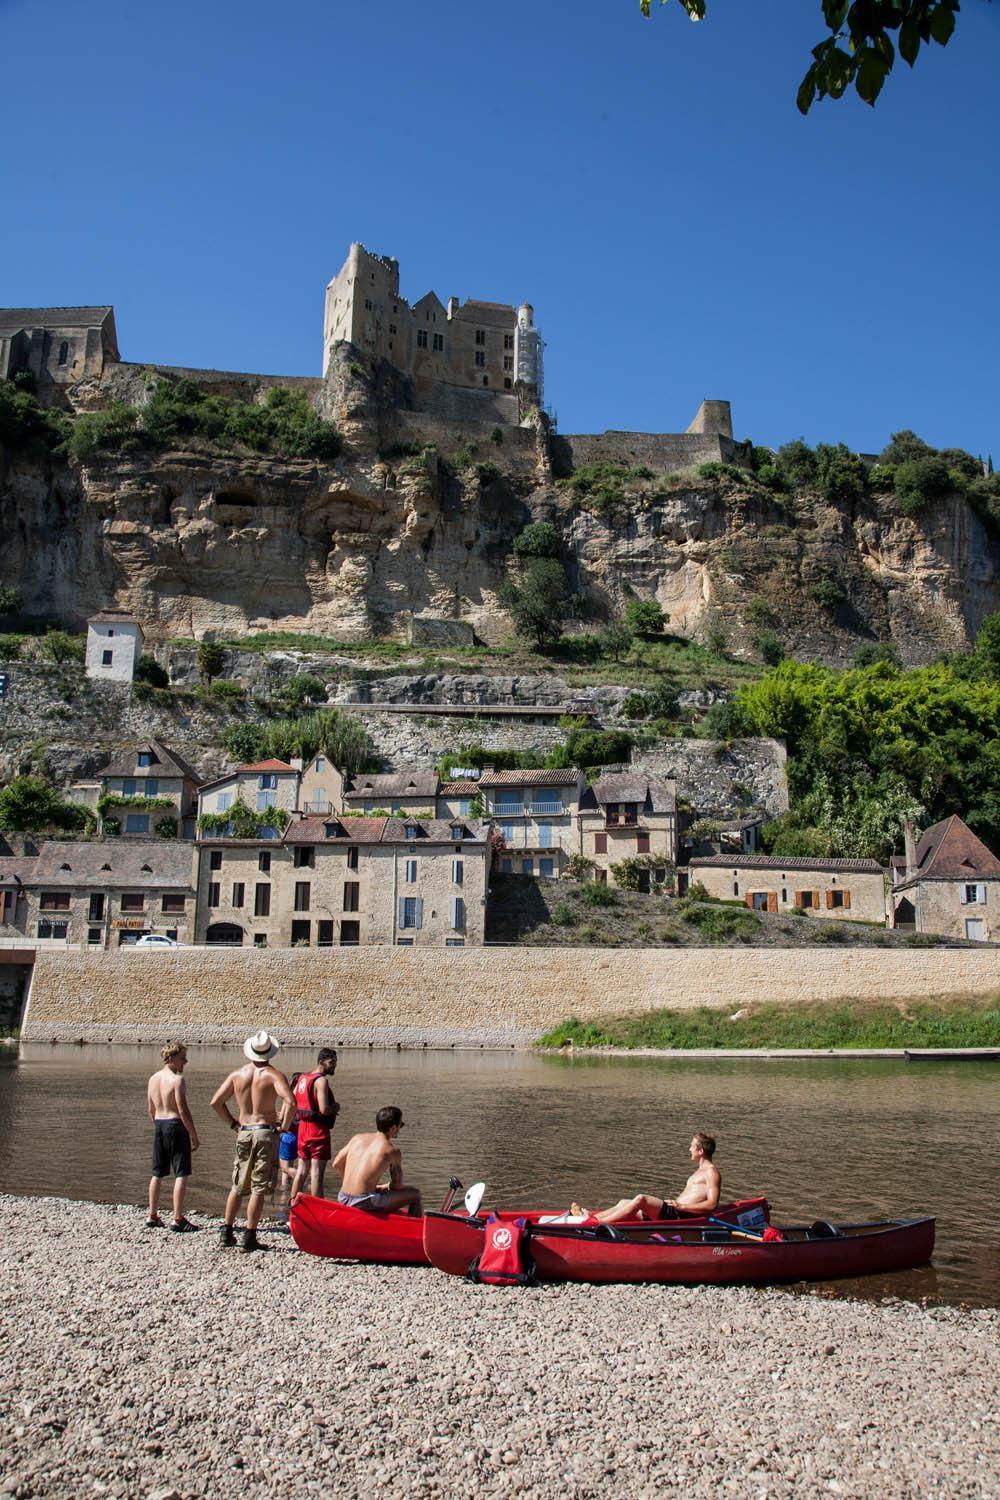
(414,518)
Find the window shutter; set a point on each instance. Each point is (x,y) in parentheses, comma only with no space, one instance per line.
(642,843)
(457,913)
(816,900)
(847,899)
(963,894)
(981,894)
(829,900)
(772,901)
(798,898)
(748,900)
(457,872)
(401,920)
(420,912)
(600,843)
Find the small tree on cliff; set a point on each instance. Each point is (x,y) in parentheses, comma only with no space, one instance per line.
(210,660)
(539,602)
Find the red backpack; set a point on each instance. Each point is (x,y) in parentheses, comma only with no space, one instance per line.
(505,1259)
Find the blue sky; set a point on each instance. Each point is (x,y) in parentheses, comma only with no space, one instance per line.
(648,185)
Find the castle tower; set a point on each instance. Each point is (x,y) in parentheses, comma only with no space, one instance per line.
(364,307)
(528,352)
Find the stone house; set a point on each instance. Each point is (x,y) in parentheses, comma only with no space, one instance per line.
(321,788)
(114,645)
(536,813)
(17,873)
(142,787)
(846,889)
(456,799)
(948,884)
(347,882)
(397,792)
(57,345)
(626,815)
(107,893)
(261,786)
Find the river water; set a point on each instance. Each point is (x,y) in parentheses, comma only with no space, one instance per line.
(825,1138)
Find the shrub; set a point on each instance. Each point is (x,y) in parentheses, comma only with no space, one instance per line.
(714,633)
(635,706)
(876,651)
(148,669)
(563,915)
(24,425)
(596,893)
(539,539)
(408,449)
(603,487)
(579,867)
(644,617)
(496,436)
(10,647)
(592,747)
(488,473)
(115,429)
(167,828)
(10,599)
(767,644)
(245,742)
(919,482)
(842,476)
(306,687)
(904,446)
(59,647)
(796,463)
(211,658)
(758,612)
(242,822)
(719,924)
(28,804)
(223,688)
(828,592)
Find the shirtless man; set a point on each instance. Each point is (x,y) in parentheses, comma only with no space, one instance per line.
(366,1156)
(256,1087)
(700,1194)
(174,1135)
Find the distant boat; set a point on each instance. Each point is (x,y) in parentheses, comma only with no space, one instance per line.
(952,1054)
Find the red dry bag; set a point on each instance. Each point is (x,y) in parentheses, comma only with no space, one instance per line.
(505,1259)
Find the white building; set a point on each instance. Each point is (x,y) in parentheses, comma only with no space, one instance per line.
(114,645)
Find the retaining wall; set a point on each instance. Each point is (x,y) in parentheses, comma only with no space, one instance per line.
(450,997)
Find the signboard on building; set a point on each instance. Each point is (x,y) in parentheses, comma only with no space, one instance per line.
(4,681)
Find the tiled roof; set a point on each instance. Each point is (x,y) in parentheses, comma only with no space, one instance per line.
(434,830)
(14,318)
(396,784)
(14,871)
(458,788)
(313,830)
(772,862)
(265,765)
(951,851)
(113,617)
(530,778)
(496,306)
(166,762)
(163,865)
(630,787)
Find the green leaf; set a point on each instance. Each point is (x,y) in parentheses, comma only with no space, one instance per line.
(834,12)
(872,70)
(942,23)
(807,91)
(909,42)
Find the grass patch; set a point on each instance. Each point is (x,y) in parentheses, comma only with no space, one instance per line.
(849,1023)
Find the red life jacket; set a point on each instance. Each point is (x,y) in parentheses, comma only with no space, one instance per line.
(504,1259)
(305,1101)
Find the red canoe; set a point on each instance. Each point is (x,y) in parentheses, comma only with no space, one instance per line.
(322,1226)
(695,1254)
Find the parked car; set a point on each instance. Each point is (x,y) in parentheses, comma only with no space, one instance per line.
(155,940)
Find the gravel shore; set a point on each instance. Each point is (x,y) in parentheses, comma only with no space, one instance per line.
(146,1364)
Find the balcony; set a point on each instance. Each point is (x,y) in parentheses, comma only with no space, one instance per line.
(318,809)
(527,810)
(628,819)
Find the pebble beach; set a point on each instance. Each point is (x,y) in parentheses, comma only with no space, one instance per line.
(146,1364)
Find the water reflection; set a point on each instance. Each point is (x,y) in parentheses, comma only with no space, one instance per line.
(824,1138)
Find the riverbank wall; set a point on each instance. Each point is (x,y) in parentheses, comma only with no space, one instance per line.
(469,997)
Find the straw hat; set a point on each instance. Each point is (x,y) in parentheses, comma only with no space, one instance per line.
(260,1047)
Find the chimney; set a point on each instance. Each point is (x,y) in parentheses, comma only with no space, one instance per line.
(910,845)
(454,303)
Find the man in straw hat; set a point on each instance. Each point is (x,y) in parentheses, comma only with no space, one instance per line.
(256,1088)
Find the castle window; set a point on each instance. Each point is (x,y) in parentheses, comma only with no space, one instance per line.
(392,326)
(507,385)
(480,357)
(421,338)
(64,352)
(486,380)
(368,304)
(439,342)
(508,362)
(480,335)
(508,341)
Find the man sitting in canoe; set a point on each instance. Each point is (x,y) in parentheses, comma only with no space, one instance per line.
(700,1194)
(362,1162)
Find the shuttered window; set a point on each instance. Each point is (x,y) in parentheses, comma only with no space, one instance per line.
(457,913)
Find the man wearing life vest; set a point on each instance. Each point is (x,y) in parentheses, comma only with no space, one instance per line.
(317,1110)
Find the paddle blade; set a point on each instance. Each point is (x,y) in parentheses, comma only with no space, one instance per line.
(473,1198)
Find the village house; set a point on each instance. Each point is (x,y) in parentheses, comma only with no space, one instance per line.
(114,645)
(145,789)
(536,813)
(321,787)
(625,816)
(16,876)
(459,799)
(947,884)
(107,893)
(397,792)
(259,787)
(347,882)
(847,889)
(707,836)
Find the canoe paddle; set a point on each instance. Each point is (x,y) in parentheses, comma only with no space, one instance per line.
(454,1186)
(473,1198)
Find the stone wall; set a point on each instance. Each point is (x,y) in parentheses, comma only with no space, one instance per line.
(451,997)
(660,451)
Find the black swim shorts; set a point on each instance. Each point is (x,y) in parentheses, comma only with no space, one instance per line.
(171,1149)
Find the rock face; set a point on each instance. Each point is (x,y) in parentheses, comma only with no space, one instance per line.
(200,544)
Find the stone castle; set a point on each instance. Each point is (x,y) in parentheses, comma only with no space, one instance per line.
(461,363)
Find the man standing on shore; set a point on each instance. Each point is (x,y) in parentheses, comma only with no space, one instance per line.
(174,1135)
(256,1087)
(317,1110)
(363,1160)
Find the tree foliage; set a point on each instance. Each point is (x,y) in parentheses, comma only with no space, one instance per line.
(644,617)
(539,602)
(28,804)
(342,739)
(857,46)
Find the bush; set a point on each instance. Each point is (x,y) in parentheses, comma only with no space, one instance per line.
(903,447)
(305,688)
(540,539)
(604,487)
(842,476)
(644,617)
(767,644)
(828,592)
(758,612)
(148,670)
(635,706)
(714,633)
(720,924)
(596,893)
(592,747)
(875,651)
(919,482)
(223,688)
(10,599)
(115,429)
(796,464)
(167,828)
(211,658)
(496,436)
(25,426)
(488,473)
(579,867)
(10,647)
(60,647)
(563,915)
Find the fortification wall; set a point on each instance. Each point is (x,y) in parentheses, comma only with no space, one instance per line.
(450,997)
(660,451)
(127,382)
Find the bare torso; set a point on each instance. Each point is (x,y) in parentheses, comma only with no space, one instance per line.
(166,1095)
(255,1091)
(365,1159)
(705,1183)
